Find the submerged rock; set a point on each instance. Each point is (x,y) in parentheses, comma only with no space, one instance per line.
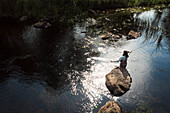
(110,107)
(118,81)
(133,35)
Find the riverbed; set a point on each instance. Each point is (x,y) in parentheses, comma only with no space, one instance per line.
(63,71)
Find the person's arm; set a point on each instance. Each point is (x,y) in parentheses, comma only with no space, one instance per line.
(121,58)
(129,51)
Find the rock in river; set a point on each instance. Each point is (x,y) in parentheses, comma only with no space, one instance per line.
(110,36)
(110,107)
(133,35)
(106,36)
(42,24)
(118,81)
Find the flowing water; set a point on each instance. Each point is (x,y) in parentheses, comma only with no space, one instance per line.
(54,71)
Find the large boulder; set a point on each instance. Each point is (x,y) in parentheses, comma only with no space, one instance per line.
(110,107)
(118,81)
(133,35)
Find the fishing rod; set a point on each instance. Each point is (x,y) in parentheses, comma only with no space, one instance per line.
(106,59)
(141,46)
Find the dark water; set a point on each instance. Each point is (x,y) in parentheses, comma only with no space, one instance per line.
(54,71)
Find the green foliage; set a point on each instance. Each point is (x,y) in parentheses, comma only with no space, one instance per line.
(64,9)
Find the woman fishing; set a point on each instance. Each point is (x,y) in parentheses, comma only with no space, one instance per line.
(123,59)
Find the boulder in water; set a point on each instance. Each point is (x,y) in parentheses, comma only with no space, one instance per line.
(118,81)
(133,35)
(110,107)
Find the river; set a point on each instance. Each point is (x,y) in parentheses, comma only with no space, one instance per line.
(63,71)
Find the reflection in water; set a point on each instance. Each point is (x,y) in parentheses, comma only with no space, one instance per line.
(11,41)
(154,25)
(48,71)
(145,75)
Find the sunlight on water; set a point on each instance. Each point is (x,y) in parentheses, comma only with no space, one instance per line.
(139,65)
(163,17)
(93,84)
(148,16)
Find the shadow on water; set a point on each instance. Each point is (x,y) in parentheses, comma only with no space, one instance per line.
(48,51)
(42,65)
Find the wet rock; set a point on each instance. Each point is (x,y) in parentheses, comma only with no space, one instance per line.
(90,11)
(110,107)
(116,37)
(23,18)
(42,24)
(115,30)
(83,31)
(106,36)
(133,35)
(92,21)
(118,81)
(110,36)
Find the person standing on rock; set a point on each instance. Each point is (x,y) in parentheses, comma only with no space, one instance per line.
(123,59)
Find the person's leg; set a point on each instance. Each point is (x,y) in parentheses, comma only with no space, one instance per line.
(123,65)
